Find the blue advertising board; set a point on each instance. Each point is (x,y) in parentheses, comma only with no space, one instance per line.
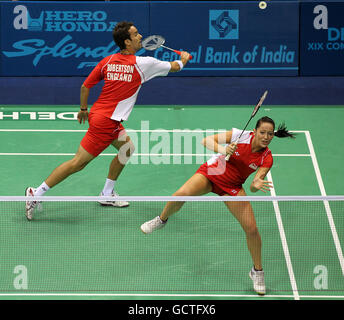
(62,38)
(225,38)
(230,38)
(322,38)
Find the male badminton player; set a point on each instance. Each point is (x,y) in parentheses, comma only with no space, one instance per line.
(123,74)
(226,178)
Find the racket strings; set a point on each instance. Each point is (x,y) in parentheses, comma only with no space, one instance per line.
(153,42)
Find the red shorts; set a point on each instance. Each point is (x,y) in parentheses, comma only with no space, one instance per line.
(101,133)
(221,190)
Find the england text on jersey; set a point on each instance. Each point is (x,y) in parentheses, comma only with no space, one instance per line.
(119,76)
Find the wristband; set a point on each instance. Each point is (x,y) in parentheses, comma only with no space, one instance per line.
(181,65)
(85,109)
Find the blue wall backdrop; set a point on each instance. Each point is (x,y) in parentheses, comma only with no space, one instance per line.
(53,39)
(232,38)
(322,38)
(47,48)
(226,38)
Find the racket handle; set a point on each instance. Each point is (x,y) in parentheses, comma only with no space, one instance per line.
(228,155)
(179,52)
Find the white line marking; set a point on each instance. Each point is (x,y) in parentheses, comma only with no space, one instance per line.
(172,198)
(326,203)
(137,154)
(162,295)
(291,155)
(127,130)
(284,242)
(40,130)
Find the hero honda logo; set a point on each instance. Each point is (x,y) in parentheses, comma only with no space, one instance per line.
(66,47)
(61,21)
(223,24)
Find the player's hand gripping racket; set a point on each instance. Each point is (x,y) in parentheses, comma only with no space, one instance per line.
(255,110)
(154,42)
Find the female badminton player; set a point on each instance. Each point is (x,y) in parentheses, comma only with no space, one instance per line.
(225,178)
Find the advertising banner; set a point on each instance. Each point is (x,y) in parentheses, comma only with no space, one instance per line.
(225,38)
(62,38)
(322,38)
(230,38)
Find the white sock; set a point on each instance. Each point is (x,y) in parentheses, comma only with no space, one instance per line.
(108,187)
(42,189)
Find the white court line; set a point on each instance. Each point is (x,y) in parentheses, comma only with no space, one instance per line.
(127,130)
(173,198)
(67,294)
(284,242)
(326,203)
(40,130)
(146,295)
(137,154)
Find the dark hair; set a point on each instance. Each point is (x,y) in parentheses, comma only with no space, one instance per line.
(281,132)
(121,32)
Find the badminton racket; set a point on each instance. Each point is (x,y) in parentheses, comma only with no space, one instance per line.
(255,110)
(154,42)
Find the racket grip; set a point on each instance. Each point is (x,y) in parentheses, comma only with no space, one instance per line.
(179,52)
(228,155)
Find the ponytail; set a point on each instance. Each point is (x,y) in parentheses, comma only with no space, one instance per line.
(282,132)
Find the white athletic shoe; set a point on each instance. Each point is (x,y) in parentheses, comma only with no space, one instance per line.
(152,225)
(115,203)
(258,281)
(31,205)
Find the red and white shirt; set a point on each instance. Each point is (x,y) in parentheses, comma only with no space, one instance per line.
(123,77)
(242,163)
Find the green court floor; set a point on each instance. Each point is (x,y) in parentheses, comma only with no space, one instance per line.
(82,250)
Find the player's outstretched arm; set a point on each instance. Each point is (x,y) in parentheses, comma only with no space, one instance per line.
(184,58)
(259,183)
